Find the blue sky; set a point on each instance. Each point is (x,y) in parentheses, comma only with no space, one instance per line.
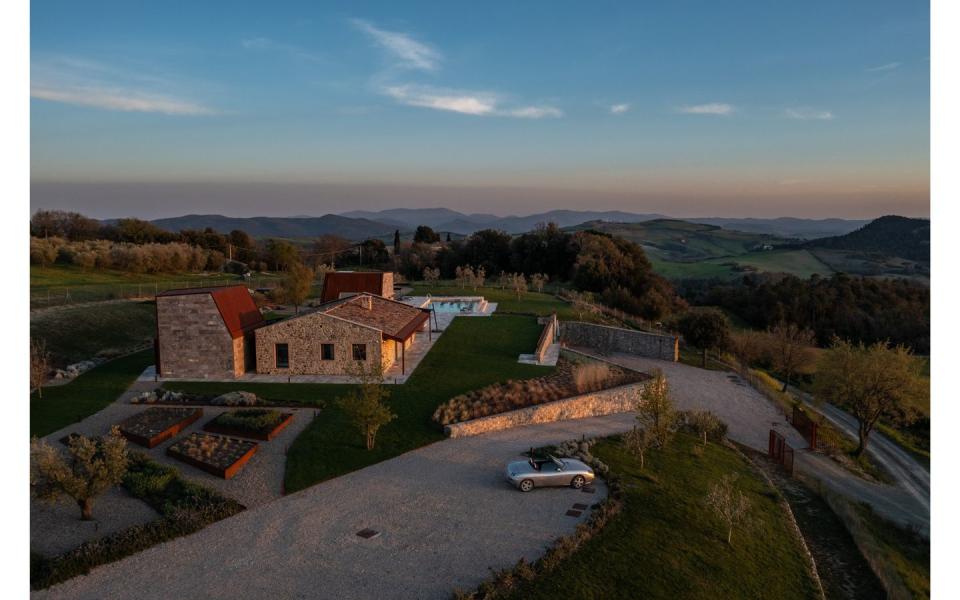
(689,108)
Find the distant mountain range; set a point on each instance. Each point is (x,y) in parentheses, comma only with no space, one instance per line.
(361,224)
(282,227)
(889,236)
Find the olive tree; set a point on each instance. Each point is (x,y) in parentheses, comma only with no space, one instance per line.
(791,350)
(297,284)
(364,405)
(638,441)
(655,410)
(89,468)
(728,504)
(871,382)
(705,329)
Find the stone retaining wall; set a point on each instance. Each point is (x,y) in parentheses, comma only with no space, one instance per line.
(608,340)
(595,404)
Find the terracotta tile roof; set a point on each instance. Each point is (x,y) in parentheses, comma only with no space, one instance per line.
(340,282)
(395,319)
(237,308)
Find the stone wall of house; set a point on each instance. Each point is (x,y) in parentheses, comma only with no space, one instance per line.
(304,336)
(608,340)
(193,340)
(615,400)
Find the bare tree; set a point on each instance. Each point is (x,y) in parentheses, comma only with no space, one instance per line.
(791,349)
(519,284)
(479,276)
(748,347)
(655,409)
(430,275)
(90,468)
(872,382)
(538,280)
(39,365)
(364,405)
(728,503)
(638,441)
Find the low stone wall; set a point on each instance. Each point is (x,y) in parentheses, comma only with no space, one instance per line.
(615,400)
(608,340)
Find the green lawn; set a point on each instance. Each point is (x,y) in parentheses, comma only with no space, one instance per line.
(665,543)
(471,353)
(85,395)
(75,333)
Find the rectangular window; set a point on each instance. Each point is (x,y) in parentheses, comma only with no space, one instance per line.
(283,356)
(359,352)
(326,351)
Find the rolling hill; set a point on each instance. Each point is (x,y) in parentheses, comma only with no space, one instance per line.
(282,227)
(890,235)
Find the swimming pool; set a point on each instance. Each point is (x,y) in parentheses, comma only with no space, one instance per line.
(455,306)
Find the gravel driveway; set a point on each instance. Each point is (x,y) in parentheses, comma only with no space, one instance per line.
(444,512)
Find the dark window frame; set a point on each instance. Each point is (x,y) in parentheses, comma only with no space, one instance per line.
(360,349)
(323,352)
(276,356)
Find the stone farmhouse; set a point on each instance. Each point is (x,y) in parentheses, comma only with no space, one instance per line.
(206,332)
(340,284)
(327,341)
(219,333)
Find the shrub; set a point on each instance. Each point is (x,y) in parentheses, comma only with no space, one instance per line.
(147,478)
(256,419)
(590,377)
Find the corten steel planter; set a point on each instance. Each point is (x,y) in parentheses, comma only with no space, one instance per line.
(266,436)
(227,469)
(156,425)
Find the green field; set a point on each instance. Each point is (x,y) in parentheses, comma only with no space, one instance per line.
(75,333)
(666,544)
(68,284)
(85,395)
(793,262)
(471,354)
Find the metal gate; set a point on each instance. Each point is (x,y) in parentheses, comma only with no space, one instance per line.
(780,451)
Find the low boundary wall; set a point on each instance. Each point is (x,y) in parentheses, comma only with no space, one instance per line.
(548,337)
(609,340)
(614,400)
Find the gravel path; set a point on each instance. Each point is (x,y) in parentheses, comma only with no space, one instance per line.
(444,512)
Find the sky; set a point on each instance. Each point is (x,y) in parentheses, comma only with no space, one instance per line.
(750,108)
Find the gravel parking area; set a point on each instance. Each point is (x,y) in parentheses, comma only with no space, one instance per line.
(444,513)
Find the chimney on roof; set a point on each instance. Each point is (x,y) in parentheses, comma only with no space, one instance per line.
(366,302)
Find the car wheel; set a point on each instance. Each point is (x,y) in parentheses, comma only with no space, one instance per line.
(526,485)
(578,482)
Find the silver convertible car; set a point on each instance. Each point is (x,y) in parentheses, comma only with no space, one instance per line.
(549,471)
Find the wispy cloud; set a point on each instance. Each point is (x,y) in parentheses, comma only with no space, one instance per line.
(809,114)
(119,100)
(713,108)
(619,109)
(407,51)
(81,82)
(887,67)
(466,102)
(267,44)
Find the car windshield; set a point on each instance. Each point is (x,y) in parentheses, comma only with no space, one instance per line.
(560,464)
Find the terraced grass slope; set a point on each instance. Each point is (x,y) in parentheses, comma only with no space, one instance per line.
(666,543)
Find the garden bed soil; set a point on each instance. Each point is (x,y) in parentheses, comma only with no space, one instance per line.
(216,454)
(156,425)
(258,434)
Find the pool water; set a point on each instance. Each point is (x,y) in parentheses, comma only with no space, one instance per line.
(455,306)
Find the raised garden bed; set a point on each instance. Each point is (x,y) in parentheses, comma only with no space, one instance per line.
(156,425)
(571,378)
(216,454)
(256,423)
